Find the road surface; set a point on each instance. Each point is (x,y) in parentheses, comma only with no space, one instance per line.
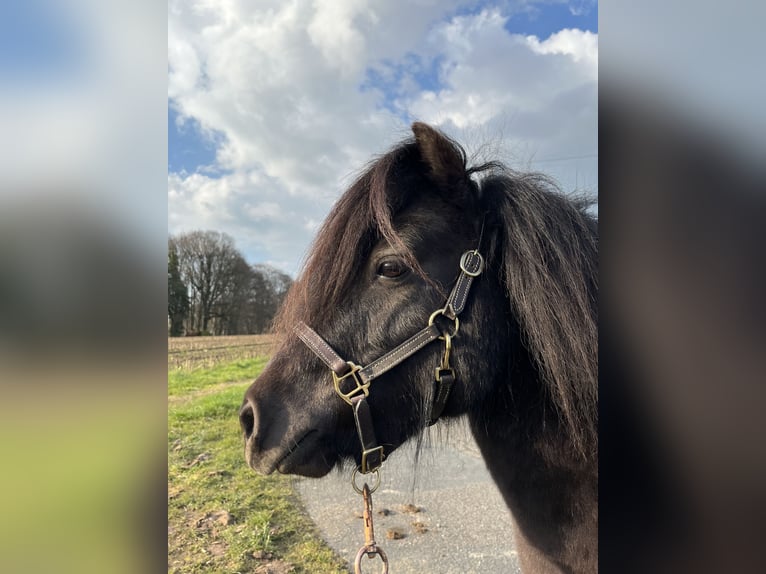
(443,515)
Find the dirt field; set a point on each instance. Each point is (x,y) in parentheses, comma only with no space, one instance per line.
(197,352)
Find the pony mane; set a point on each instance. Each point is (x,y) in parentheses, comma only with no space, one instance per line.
(544,247)
(361,217)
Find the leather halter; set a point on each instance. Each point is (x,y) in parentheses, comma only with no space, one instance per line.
(344,372)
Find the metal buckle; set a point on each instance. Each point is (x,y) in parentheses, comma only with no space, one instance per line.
(360,386)
(444,368)
(464,261)
(363,468)
(442,372)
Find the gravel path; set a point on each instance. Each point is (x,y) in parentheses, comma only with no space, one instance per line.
(460,524)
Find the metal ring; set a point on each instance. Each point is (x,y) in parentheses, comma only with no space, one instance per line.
(441,312)
(375,485)
(464,259)
(370,551)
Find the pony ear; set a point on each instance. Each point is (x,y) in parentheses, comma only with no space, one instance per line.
(445,158)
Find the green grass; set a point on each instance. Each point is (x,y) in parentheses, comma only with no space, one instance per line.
(207,474)
(182,381)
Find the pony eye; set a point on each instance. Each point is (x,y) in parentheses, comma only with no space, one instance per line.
(391,268)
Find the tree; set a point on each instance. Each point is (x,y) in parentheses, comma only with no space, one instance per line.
(212,289)
(270,285)
(208,262)
(178,296)
(231,313)
(253,300)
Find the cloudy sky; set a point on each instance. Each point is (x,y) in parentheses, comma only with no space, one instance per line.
(275,105)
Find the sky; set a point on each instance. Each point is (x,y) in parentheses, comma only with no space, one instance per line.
(275,106)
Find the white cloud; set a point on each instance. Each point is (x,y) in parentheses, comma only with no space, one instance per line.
(581,45)
(523,83)
(264,211)
(282,82)
(266,223)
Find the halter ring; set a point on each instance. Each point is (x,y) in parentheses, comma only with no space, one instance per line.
(374,486)
(455,322)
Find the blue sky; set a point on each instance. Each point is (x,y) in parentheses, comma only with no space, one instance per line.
(271,111)
(546,19)
(188,148)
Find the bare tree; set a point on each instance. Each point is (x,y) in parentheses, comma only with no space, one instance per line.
(231,313)
(216,290)
(208,262)
(257,293)
(270,286)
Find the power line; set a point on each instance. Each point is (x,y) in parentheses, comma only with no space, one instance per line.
(586,156)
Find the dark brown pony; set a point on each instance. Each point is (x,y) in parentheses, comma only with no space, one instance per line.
(525,357)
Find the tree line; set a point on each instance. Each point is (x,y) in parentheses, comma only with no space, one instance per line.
(212,290)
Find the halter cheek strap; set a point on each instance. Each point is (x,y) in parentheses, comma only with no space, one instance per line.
(352,382)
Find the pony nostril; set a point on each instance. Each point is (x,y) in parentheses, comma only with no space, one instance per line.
(247,420)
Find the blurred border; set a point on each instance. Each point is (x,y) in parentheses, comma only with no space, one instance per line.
(83,236)
(683,223)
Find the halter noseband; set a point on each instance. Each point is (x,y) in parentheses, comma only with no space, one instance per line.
(345,372)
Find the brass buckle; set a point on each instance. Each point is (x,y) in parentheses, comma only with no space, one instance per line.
(440,372)
(360,386)
(464,261)
(364,469)
(444,368)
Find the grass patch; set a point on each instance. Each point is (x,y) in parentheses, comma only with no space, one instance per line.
(222,517)
(182,381)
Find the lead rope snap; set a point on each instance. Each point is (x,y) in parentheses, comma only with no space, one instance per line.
(370,548)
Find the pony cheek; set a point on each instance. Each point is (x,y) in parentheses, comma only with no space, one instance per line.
(400,409)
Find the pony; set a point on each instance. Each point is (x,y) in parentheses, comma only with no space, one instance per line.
(525,357)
